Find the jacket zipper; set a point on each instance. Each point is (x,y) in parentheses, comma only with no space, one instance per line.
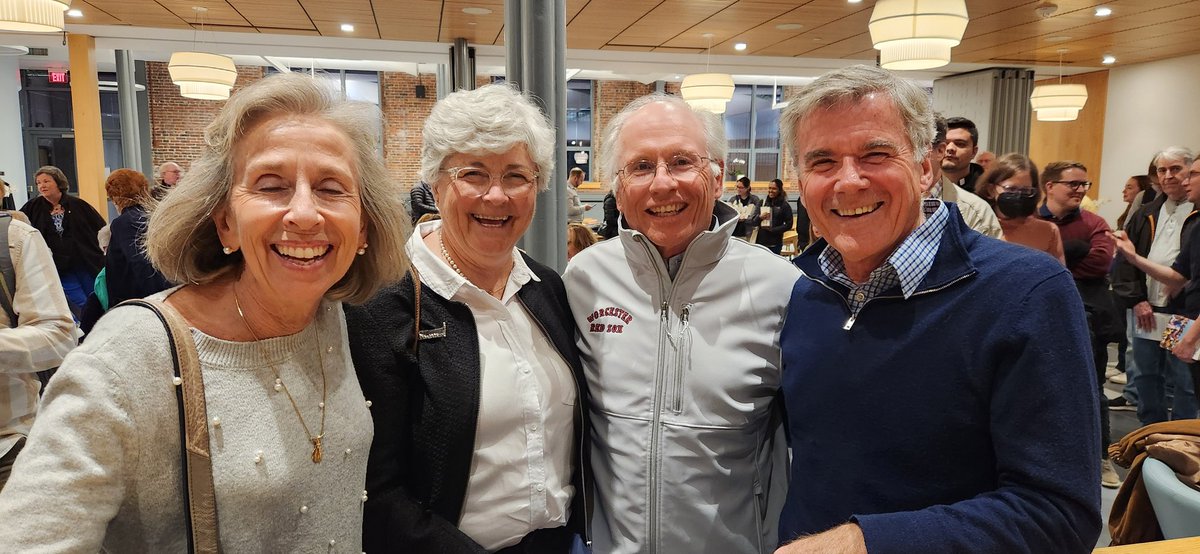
(587,519)
(853,317)
(682,358)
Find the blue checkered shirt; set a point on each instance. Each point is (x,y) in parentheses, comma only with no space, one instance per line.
(906,266)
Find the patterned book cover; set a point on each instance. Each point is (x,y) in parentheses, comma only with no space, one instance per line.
(1174,330)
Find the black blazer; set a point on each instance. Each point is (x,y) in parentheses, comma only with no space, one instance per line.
(425,405)
(77,248)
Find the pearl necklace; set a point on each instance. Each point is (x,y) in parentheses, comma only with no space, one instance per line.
(317,453)
(454,266)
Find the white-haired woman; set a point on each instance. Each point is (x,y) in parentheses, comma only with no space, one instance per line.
(271,233)
(476,381)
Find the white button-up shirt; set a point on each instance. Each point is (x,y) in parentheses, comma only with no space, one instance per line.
(521,470)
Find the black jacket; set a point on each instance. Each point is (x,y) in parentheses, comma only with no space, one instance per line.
(611,215)
(128,272)
(781,222)
(425,405)
(422,200)
(77,248)
(1129,282)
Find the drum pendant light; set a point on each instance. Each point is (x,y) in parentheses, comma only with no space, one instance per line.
(1060,102)
(917,34)
(202,75)
(33,16)
(707,91)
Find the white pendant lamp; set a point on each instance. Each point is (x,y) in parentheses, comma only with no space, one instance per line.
(1060,102)
(917,34)
(35,16)
(707,91)
(202,75)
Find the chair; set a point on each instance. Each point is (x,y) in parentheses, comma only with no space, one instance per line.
(1176,505)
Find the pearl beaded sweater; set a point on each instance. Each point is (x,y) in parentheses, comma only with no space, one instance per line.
(101,467)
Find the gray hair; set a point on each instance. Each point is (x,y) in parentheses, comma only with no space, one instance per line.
(610,157)
(852,84)
(182,239)
(1175,153)
(493,119)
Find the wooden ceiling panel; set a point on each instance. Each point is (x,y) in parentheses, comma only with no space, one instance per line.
(415,20)
(219,13)
(600,20)
(733,24)
(477,29)
(92,15)
(828,21)
(281,14)
(855,47)
(669,19)
(140,13)
(328,16)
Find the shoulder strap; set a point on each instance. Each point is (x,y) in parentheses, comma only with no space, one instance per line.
(195,453)
(8,273)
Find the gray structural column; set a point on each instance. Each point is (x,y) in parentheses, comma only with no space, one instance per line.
(131,130)
(462,64)
(444,80)
(535,36)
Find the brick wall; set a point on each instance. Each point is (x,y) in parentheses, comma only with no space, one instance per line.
(403,116)
(177,123)
(608,97)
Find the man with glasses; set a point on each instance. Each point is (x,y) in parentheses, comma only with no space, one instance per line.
(936,385)
(679,338)
(1159,232)
(1088,249)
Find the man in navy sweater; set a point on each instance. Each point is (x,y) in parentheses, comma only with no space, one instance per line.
(901,301)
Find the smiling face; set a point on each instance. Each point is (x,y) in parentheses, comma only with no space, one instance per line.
(859,180)
(48,188)
(670,212)
(294,210)
(1062,197)
(482,230)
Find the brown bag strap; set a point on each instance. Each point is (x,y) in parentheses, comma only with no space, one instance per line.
(195,452)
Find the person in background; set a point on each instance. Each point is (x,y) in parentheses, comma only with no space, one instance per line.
(480,436)
(578,238)
(36,331)
(748,206)
(992,337)
(421,200)
(1010,187)
(6,197)
(575,208)
(128,273)
(962,143)
(985,159)
(778,220)
(978,214)
(69,225)
(612,217)
(168,176)
(1138,190)
(287,213)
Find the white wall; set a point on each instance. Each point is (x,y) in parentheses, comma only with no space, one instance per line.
(12,149)
(968,95)
(1150,106)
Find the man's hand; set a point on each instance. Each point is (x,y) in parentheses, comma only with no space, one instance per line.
(587,207)
(843,539)
(1144,315)
(1185,349)
(1124,246)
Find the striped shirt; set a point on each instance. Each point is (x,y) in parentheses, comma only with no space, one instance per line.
(45,331)
(906,266)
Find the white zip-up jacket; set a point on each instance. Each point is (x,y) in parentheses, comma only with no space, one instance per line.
(687,451)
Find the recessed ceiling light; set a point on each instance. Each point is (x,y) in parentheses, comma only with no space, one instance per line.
(679,76)
(1103,11)
(346,27)
(75,13)
(476,11)
(1058,38)
(789,26)
(854,1)
(739,46)
(1109,59)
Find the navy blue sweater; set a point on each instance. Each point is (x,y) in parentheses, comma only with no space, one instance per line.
(962,419)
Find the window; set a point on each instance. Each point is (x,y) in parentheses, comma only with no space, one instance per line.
(579,127)
(752,131)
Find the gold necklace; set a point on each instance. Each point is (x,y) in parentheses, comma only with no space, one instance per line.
(454,266)
(315,440)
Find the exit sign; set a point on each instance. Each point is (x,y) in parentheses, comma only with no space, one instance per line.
(59,77)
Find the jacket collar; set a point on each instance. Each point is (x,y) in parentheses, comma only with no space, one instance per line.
(951,263)
(708,247)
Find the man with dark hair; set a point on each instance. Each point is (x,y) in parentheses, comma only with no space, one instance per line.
(962,143)
(1159,231)
(1088,249)
(975,211)
(748,207)
(575,207)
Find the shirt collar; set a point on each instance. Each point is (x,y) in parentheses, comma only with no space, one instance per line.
(443,280)
(911,260)
(1045,213)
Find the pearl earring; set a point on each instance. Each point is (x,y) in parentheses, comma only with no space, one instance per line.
(227,250)
(362,249)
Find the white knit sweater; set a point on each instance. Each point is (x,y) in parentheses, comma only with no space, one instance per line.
(101,467)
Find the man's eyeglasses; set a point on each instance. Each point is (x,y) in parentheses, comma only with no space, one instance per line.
(1076,185)
(477,181)
(681,166)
